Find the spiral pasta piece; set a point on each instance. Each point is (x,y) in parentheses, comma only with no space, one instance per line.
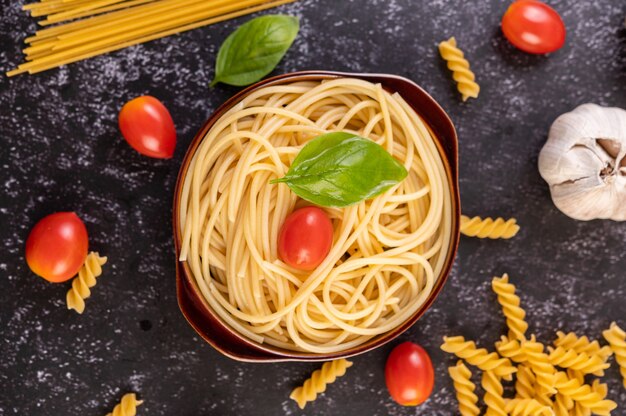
(540,364)
(583,394)
(464,388)
(575,374)
(511,349)
(586,364)
(600,388)
(488,227)
(510,302)
(460,68)
(542,396)
(571,341)
(527,407)
(616,337)
(85,280)
(524,383)
(127,406)
(562,405)
(580,410)
(478,357)
(597,387)
(316,384)
(493,394)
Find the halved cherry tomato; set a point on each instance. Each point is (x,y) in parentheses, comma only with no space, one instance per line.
(56,247)
(533,27)
(305,238)
(148,127)
(409,374)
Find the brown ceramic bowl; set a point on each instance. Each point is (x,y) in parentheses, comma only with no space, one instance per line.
(232,344)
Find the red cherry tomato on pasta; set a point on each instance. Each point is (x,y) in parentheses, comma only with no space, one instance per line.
(533,27)
(56,247)
(148,127)
(409,374)
(305,238)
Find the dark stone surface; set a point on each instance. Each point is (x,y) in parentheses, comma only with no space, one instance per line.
(61,150)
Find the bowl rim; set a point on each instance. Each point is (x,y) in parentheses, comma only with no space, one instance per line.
(187,286)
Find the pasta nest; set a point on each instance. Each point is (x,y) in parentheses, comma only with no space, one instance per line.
(387,253)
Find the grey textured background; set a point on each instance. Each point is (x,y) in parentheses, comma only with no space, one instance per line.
(61,150)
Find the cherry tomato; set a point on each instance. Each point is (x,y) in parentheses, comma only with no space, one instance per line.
(409,374)
(56,247)
(148,127)
(305,238)
(533,27)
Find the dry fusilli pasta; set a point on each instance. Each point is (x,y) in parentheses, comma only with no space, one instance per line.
(562,405)
(488,227)
(540,364)
(460,68)
(571,341)
(86,279)
(543,397)
(616,337)
(127,406)
(580,410)
(464,387)
(478,357)
(540,389)
(526,387)
(527,407)
(524,383)
(582,362)
(597,387)
(510,348)
(493,394)
(315,385)
(510,303)
(575,374)
(583,394)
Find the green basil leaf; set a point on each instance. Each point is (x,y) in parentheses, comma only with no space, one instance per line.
(341,169)
(254,49)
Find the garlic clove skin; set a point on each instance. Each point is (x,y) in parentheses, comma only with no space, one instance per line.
(584,163)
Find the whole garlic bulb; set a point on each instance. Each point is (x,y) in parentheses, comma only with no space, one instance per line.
(584,162)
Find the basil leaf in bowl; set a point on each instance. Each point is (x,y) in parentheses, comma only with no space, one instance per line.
(254,49)
(341,169)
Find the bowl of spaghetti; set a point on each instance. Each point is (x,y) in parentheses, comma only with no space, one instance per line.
(390,256)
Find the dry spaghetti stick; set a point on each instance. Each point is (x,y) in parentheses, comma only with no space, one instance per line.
(117,20)
(70,26)
(121,18)
(50,8)
(41,67)
(136,11)
(47,9)
(69,14)
(44,5)
(108,9)
(125,9)
(172,23)
(89,34)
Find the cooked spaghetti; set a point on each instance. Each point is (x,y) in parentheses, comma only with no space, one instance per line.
(87,28)
(387,253)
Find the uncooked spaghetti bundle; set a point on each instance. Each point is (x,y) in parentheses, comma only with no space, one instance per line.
(79,29)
